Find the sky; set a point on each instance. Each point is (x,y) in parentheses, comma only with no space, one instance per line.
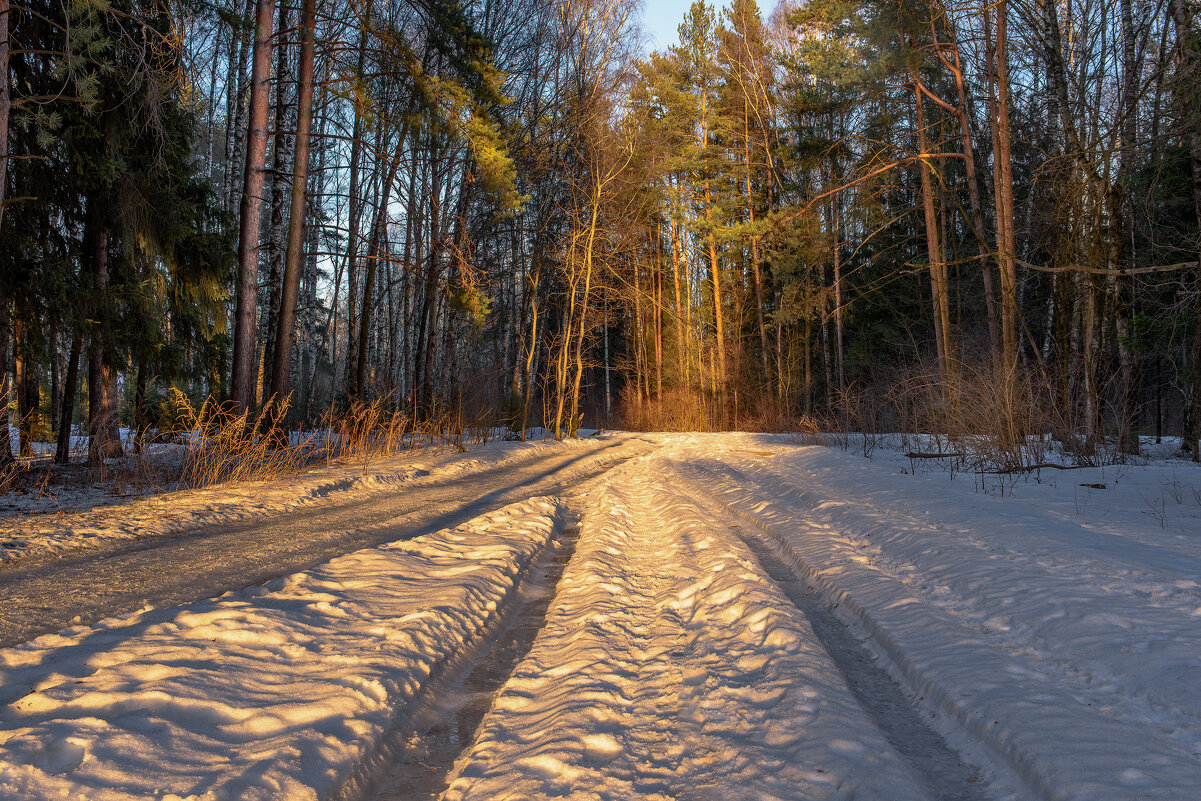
(660,18)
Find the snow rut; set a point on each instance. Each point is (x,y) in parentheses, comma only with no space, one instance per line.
(942,769)
(672,668)
(447,726)
(1055,745)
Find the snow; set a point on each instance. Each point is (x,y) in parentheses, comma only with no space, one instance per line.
(671,667)
(279,691)
(1066,643)
(729,598)
(92,517)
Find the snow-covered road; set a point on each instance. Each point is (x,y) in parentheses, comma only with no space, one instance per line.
(44,593)
(736,617)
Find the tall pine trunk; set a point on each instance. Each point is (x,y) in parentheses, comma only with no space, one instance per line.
(5,101)
(282,164)
(242,382)
(285,327)
(998,79)
(938,267)
(104,434)
(973,190)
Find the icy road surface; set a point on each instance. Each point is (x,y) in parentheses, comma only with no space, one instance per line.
(724,617)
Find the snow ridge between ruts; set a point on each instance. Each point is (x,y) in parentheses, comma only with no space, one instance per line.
(672,667)
(288,690)
(1062,749)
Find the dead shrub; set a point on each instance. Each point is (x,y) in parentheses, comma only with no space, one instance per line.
(675,409)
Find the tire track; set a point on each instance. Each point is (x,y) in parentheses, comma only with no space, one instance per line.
(41,595)
(947,775)
(445,727)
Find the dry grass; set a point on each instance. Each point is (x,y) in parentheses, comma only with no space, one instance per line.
(689,409)
(209,445)
(676,409)
(8,476)
(992,419)
(224,447)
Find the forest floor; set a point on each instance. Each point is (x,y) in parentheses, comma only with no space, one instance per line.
(660,616)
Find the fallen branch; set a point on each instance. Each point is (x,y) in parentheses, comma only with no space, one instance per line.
(916,455)
(1039,466)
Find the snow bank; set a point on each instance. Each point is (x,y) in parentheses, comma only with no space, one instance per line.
(286,690)
(1068,645)
(25,534)
(672,667)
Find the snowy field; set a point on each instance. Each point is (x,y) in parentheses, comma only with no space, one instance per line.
(741,617)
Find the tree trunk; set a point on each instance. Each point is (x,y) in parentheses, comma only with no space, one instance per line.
(236,107)
(1190,88)
(62,453)
(750,212)
(1119,236)
(973,189)
(839,337)
(55,374)
(714,270)
(352,238)
(938,268)
(532,289)
(5,101)
(286,325)
(373,257)
(104,433)
(282,165)
(142,383)
(242,383)
(6,447)
(681,344)
(28,394)
(1003,182)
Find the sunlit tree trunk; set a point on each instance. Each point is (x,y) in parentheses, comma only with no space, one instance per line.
(242,383)
(282,164)
(998,75)
(973,189)
(938,267)
(286,325)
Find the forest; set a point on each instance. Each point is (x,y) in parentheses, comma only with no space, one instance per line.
(881,215)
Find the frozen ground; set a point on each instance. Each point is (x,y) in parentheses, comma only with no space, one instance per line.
(737,617)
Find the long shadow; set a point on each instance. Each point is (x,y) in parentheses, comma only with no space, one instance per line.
(50,594)
(941,768)
(422,770)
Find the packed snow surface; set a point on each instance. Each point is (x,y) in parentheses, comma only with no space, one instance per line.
(729,597)
(672,667)
(32,523)
(272,692)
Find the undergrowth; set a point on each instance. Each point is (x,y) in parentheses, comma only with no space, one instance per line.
(207,445)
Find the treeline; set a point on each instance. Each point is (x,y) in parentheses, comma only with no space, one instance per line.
(502,208)
(332,204)
(923,216)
